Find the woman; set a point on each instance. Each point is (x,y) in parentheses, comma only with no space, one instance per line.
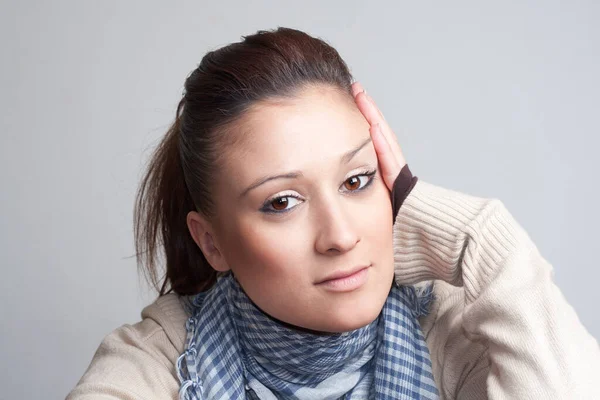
(304,260)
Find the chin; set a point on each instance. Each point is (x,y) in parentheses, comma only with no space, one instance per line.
(353,316)
(355,310)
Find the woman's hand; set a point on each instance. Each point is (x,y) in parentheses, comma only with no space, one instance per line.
(389,154)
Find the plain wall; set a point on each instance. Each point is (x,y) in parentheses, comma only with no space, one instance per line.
(497,100)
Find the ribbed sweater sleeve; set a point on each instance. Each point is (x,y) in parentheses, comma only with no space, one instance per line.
(537,348)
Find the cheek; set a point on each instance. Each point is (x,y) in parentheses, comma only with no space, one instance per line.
(380,203)
(377,226)
(258,250)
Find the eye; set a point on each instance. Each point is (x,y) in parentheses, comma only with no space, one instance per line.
(359,182)
(281,204)
(287,202)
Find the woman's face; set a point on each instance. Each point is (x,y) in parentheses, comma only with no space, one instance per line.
(299,199)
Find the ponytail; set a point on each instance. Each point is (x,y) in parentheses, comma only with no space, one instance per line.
(161,207)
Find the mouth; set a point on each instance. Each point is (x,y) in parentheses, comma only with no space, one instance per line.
(345,281)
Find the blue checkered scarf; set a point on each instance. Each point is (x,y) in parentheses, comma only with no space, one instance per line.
(235,351)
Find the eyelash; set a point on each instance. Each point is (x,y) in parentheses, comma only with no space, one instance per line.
(370,174)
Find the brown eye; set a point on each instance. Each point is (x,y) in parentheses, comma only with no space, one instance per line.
(280,203)
(352,183)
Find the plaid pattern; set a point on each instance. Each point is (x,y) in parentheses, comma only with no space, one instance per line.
(235,351)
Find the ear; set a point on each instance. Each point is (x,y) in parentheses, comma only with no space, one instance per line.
(202,233)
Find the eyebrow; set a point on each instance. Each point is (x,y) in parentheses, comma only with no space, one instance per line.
(345,159)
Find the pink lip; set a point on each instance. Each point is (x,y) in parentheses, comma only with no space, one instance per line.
(342,281)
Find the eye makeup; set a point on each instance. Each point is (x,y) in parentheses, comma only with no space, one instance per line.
(280,204)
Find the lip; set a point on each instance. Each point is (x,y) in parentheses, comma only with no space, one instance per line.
(343,281)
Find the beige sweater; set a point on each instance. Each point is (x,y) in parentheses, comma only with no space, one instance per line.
(499,327)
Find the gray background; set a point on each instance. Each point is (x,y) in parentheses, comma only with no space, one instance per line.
(497,100)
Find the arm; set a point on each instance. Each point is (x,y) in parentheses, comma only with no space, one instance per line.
(536,345)
(509,333)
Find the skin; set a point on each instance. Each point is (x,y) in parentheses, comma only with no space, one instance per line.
(334,213)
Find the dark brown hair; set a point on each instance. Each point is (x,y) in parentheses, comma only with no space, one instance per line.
(265,65)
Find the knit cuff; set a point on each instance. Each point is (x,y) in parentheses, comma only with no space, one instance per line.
(404,183)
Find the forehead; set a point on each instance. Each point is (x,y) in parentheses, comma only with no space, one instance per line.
(312,129)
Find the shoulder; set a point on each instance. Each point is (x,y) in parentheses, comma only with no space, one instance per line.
(138,361)
(169,314)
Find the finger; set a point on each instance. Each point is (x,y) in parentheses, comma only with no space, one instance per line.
(373,115)
(388,163)
(369,110)
(375,106)
(357,88)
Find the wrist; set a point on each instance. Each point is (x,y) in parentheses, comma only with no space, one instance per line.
(403,184)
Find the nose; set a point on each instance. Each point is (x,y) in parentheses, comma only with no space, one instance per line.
(337,232)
